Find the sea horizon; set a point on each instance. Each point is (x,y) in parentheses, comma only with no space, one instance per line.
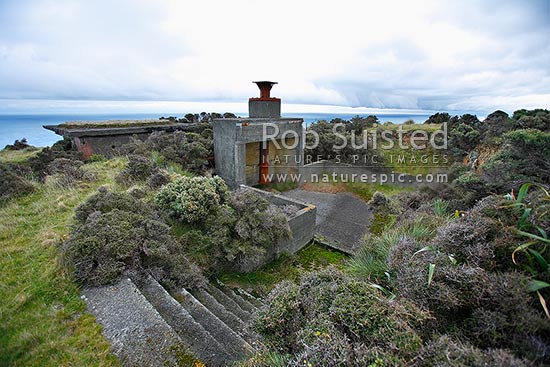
(16,126)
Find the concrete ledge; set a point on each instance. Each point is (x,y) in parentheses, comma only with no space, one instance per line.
(102,131)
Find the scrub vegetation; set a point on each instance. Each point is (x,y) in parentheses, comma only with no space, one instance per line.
(451,274)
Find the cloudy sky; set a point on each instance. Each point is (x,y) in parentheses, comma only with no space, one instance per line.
(431,55)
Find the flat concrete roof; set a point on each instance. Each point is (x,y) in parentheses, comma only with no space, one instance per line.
(115,127)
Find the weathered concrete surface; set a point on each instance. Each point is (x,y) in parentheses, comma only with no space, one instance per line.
(107,137)
(302,227)
(138,334)
(232,135)
(342,219)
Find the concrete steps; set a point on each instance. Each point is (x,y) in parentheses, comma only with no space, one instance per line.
(202,343)
(139,336)
(243,303)
(234,344)
(218,309)
(229,303)
(211,323)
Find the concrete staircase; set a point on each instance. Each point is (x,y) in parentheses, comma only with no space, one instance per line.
(211,322)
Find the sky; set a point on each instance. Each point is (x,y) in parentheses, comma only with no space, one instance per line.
(467,55)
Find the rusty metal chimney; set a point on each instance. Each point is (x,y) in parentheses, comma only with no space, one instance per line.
(265,106)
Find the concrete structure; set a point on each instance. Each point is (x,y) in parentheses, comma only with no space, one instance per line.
(107,137)
(301,223)
(246,155)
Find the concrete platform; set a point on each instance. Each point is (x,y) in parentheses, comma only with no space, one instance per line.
(342,219)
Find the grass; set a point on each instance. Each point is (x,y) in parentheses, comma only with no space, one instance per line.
(370,262)
(18,156)
(411,160)
(114,124)
(380,222)
(42,317)
(261,281)
(366,190)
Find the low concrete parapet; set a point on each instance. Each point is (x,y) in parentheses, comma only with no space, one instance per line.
(301,223)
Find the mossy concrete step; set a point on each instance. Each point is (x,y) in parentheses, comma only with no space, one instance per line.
(233,343)
(201,342)
(219,310)
(250,298)
(243,303)
(228,302)
(138,335)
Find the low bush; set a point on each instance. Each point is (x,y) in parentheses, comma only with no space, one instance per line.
(524,156)
(115,238)
(64,172)
(138,169)
(19,145)
(532,119)
(379,201)
(158,180)
(190,149)
(447,352)
(507,319)
(192,199)
(105,201)
(242,233)
(12,185)
(469,239)
(332,319)
(259,222)
(61,149)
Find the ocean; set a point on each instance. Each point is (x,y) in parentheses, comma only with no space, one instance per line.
(14,127)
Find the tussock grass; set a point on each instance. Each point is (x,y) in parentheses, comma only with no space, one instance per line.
(371,261)
(42,318)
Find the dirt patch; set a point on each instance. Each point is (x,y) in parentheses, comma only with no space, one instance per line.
(329,188)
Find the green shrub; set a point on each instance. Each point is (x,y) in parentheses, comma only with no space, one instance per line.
(243,232)
(438,118)
(64,172)
(157,180)
(96,158)
(469,239)
(192,200)
(105,201)
(259,223)
(507,318)
(463,138)
(329,314)
(61,149)
(188,149)
(138,169)
(447,352)
(12,185)
(533,119)
(19,145)
(379,201)
(523,156)
(116,238)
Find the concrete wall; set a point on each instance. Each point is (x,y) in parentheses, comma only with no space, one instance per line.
(108,139)
(108,146)
(264,108)
(302,226)
(231,137)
